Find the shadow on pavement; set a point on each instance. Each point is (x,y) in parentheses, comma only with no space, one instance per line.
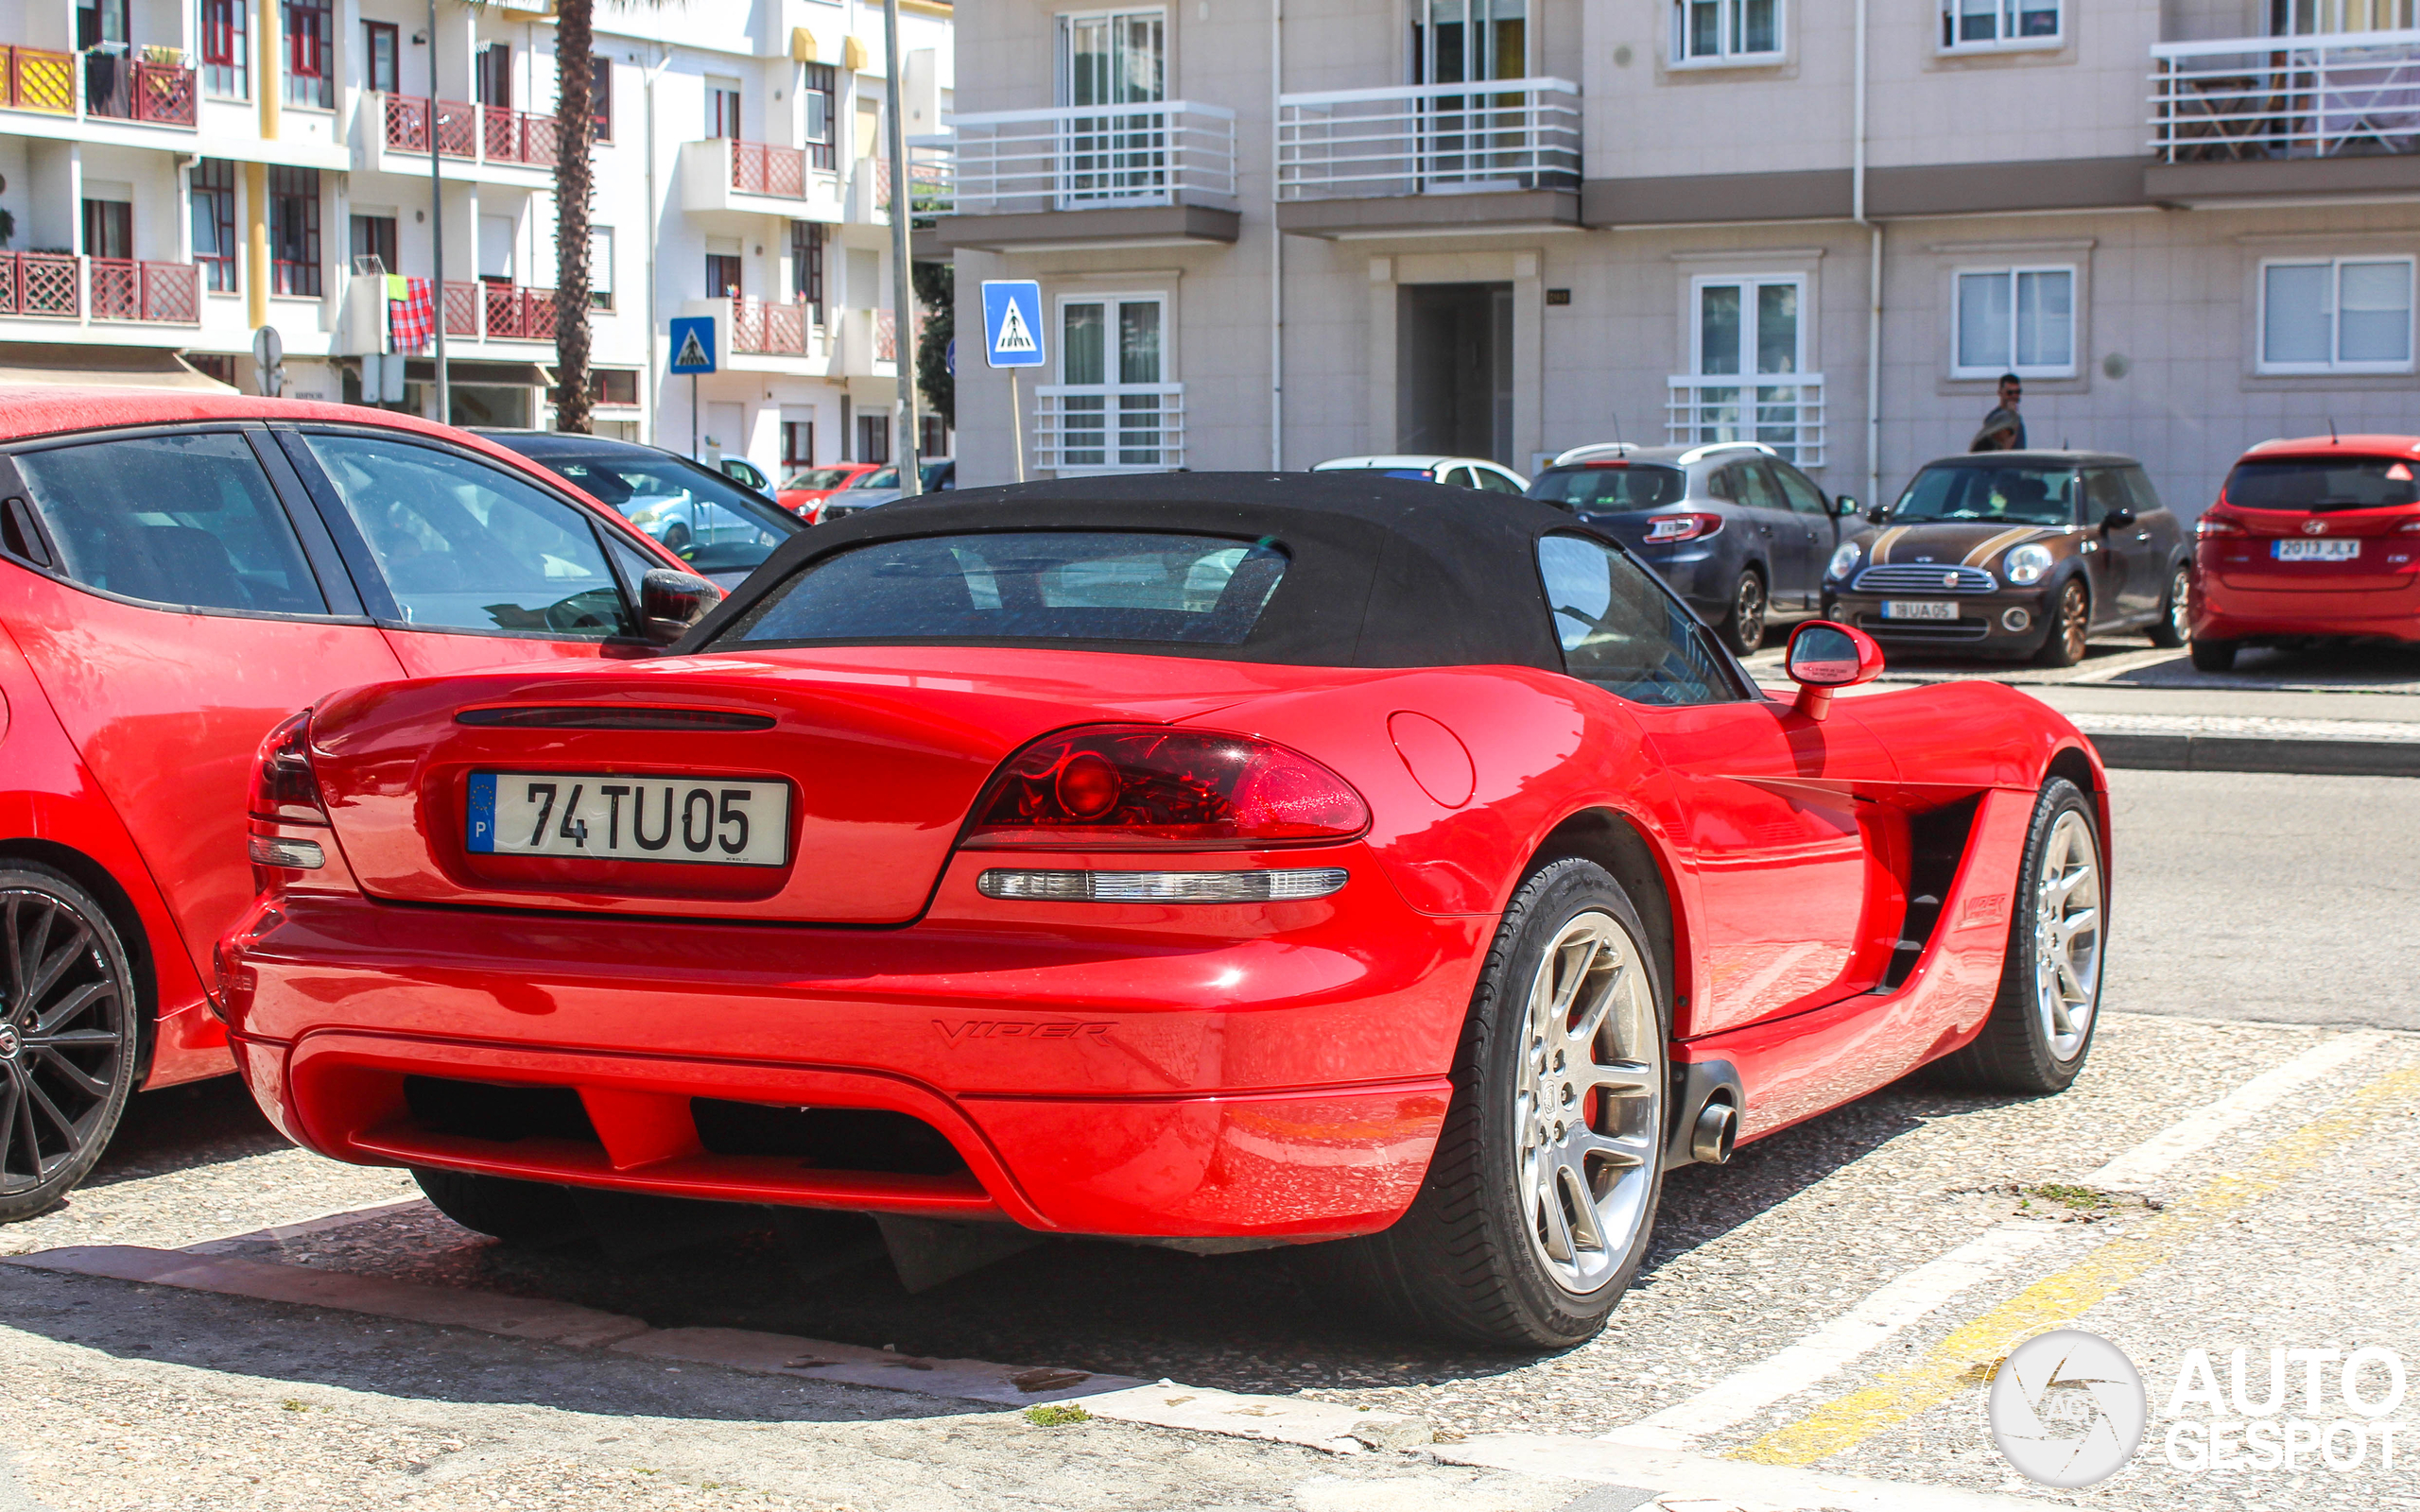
(177,1128)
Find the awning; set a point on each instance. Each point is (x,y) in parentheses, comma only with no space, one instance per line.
(77,366)
(488,374)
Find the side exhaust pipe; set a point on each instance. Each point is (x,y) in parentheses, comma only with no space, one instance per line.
(1706,1102)
(1711,1135)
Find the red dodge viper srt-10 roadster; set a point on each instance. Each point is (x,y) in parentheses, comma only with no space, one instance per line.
(1203,859)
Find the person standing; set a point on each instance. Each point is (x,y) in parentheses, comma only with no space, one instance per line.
(2003,428)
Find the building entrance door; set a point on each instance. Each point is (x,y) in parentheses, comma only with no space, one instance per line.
(1454,379)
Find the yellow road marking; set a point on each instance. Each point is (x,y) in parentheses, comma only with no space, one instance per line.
(1965,1357)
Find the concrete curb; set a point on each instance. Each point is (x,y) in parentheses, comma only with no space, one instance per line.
(2230,753)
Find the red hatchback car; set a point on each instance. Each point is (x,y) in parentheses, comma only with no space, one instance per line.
(2310,540)
(177,576)
(1206,860)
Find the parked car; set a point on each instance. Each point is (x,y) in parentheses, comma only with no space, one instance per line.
(1737,531)
(178,574)
(1459,472)
(746,474)
(2310,540)
(804,490)
(1059,856)
(721,529)
(2016,553)
(881,487)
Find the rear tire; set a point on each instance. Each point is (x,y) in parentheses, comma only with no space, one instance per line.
(2214,656)
(1743,625)
(518,1212)
(2070,627)
(1540,1199)
(2175,625)
(2041,1025)
(69,1033)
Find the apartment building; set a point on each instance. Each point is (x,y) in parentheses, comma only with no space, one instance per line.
(1508,227)
(182,173)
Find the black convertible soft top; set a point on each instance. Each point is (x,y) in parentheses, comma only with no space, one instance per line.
(1383,571)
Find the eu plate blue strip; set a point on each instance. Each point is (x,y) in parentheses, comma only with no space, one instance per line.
(481,837)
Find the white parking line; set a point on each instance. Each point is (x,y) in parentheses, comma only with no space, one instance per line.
(1829,1349)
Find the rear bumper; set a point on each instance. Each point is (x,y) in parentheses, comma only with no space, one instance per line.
(1134,1077)
(2219,612)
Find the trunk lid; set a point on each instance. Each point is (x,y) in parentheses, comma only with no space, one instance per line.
(2280,550)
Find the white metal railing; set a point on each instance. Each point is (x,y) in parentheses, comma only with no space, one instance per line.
(1783,410)
(1101,428)
(932,177)
(2316,97)
(1081,157)
(1507,133)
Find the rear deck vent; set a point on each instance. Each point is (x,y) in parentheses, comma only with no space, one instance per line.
(595,717)
(483,1110)
(829,1139)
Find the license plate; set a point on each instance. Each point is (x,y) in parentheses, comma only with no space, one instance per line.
(700,820)
(1918,608)
(2315,550)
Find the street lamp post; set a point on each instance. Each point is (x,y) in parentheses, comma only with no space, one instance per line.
(437,231)
(903,281)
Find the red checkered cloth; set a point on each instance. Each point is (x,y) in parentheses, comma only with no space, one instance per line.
(411,321)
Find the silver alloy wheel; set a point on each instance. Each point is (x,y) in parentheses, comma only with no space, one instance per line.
(1748,612)
(1588,1111)
(2180,609)
(2066,935)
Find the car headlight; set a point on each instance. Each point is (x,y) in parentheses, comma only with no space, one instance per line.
(2026,564)
(1845,559)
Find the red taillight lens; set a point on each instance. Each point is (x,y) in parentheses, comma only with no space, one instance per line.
(1664,528)
(285,789)
(2218,524)
(1164,789)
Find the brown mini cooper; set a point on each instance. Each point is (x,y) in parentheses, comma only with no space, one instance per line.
(2016,553)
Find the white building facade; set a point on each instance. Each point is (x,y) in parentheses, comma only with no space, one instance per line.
(1509,227)
(181,173)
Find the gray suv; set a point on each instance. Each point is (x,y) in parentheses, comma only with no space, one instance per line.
(1739,532)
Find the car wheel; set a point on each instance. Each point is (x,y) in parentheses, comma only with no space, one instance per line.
(2214,656)
(2041,1025)
(68,1036)
(518,1212)
(1539,1200)
(1743,625)
(676,538)
(2175,625)
(2070,627)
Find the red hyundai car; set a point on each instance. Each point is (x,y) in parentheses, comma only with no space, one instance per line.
(2312,540)
(178,575)
(805,492)
(1207,860)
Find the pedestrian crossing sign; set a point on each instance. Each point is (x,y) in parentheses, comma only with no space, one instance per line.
(693,344)
(1012,323)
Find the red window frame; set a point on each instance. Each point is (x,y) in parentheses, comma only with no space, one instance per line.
(306,38)
(220,49)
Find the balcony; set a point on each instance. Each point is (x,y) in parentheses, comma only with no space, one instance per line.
(1158,173)
(1102,428)
(2258,115)
(758,178)
(1430,158)
(466,133)
(41,283)
(482,311)
(1785,411)
(154,91)
(32,78)
(166,293)
(762,329)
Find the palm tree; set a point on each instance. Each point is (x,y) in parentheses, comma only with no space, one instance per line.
(575,181)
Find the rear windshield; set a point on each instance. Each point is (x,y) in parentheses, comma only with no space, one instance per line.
(821,478)
(1041,584)
(1612,489)
(2323,484)
(1990,495)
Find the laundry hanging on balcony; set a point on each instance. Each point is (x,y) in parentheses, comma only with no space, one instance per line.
(411,313)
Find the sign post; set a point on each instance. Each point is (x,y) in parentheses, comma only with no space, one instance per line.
(1012,339)
(268,361)
(693,353)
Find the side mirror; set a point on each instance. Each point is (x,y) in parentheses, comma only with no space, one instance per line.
(1844,506)
(2117,519)
(670,603)
(1825,657)
(1877,515)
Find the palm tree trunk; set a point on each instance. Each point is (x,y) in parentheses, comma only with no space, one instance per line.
(574,181)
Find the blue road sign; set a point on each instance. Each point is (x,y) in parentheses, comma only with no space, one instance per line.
(949,358)
(693,344)
(1012,323)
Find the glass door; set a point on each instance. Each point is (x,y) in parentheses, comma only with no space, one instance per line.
(2303,18)
(1748,328)
(1468,140)
(1116,61)
(1112,362)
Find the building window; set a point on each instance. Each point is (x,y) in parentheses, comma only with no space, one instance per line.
(600,267)
(217,365)
(600,95)
(614,386)
(494,68)
(2016,319)
(214,223)
(374,236)
(100,24)
(294,231)
(807,265)
(722,108)
(2345,314)
(309,61)
(932,436)
(821,90)
(1727,31)
(722,276)
(1976,24)
(1748,379)
(874,438)
(378,57)
(798,443)
(109,229)
(225,50)
(1114,407)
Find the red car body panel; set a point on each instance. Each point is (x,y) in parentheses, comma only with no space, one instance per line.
(123,715)
(809,502)
(2241,592)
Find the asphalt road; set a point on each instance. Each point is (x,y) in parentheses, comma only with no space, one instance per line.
(2289,900)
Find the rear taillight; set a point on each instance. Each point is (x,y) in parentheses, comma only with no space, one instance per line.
(2408,527)
(1166,789)
(1666,528)
(2218,524)
(285,789)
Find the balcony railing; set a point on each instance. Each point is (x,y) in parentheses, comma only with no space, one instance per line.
(1512,134)
(480,132)
(32,78)
(769,330)
(762,168)
(1094,428)
(932,180)
(169,293)
(1090,156)
(2348,94)
(1783,410)
(44,283)
(499,312)
(134,89)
